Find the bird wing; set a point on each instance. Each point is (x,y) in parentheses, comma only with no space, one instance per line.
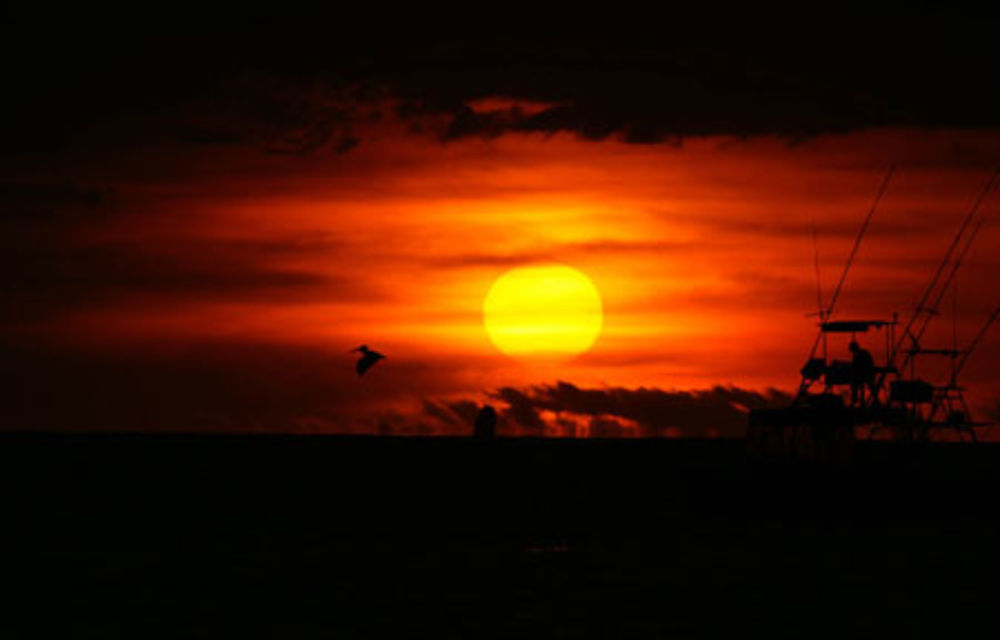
(368,361)
(364,364)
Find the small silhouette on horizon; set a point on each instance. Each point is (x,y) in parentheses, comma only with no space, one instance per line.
(486,423)
(367,360)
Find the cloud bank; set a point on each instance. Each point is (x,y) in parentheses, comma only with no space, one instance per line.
(299,92)
(566,409)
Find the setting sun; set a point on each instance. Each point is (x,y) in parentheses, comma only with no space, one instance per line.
(546,312)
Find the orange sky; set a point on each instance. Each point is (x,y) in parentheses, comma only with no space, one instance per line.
(702,252)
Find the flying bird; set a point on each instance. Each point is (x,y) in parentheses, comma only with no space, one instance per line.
(367,360)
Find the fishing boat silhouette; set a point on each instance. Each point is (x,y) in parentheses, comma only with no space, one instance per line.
(836,397)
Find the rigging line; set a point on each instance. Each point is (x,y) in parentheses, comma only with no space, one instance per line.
(819,281)
(857,241)
(932,311)
(954,321)
(975,341)
(932,285)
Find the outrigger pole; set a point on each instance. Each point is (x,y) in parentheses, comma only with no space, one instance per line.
(943,289)
(932,286)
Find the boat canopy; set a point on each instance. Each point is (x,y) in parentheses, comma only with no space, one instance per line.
(852,326)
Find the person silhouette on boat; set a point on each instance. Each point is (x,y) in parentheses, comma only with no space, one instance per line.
(862,373)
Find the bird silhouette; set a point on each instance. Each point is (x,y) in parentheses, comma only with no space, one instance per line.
(367,360)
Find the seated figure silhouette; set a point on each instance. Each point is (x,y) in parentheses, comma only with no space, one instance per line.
(486,423)
(862,373)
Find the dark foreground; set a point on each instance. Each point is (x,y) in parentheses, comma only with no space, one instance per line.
(339,537)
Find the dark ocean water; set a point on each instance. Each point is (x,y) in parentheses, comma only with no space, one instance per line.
(344,537)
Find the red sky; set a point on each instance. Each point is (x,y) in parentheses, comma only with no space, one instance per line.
(194,232)
(701,251)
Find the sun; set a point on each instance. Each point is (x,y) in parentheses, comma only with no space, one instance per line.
(543,312)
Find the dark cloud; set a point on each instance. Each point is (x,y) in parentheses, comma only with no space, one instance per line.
(451,417)
(466,410)
(56,254)
(17,197)
(441,412)
(124,268)
(561,253)
(642,85)
(295,90)
(394,423)
(61,275)
(614,411)
(32,210)
(716,411)
(521,409)
(606,428)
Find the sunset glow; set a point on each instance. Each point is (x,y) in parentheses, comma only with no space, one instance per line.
(232,248)
(556,321)
(702,257)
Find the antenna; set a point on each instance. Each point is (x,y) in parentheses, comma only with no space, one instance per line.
(819,290)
